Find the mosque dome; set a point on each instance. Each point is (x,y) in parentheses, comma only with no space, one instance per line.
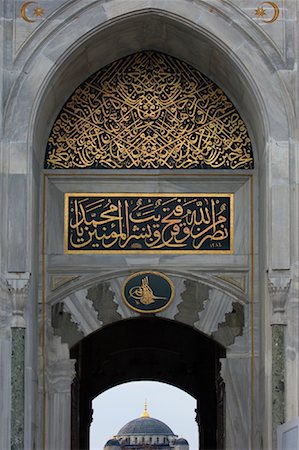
(181,441)
(181,444)
(146,426)
(145,431)
(112,442)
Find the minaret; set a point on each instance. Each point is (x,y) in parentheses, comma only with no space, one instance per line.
(145,413)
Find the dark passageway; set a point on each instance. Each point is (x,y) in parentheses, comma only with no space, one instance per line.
(149,349)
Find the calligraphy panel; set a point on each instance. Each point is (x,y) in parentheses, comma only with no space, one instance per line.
(148,223)
(149,111)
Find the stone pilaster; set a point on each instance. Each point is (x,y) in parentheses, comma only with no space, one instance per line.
(60,375)
(278,291)
(18,287)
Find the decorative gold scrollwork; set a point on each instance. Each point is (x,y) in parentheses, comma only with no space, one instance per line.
(149,111)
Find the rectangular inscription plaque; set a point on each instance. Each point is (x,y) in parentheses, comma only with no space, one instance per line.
(148,223)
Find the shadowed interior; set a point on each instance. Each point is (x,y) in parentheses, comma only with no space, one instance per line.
(149,348)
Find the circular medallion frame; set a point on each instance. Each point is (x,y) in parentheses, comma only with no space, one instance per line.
(148,291)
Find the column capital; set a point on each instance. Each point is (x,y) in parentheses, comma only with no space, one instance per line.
(278,288)
(18,285)
(60,375)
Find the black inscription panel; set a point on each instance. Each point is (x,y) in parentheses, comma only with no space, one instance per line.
(151,223)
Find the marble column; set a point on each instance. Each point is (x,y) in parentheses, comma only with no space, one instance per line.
(5,357)
(18,287)
(278,291)
(60,375)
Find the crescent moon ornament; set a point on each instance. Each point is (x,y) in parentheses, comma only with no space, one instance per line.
(276,12)
(261,12)
(38,11)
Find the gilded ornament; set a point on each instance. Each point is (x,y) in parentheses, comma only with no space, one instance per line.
(148,292)
(261,11)
(37,12)
(149,111)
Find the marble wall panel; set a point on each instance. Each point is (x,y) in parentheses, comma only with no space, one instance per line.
(280,228)
(236,373)
(17,223)
(54,12)
(57,260)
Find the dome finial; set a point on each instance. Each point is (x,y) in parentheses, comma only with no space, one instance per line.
(145,413)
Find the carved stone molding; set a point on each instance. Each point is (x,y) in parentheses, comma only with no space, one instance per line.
(60,375)
(215,309)
(278,289)
(55,349)
(82,312)
(4,288)
(5,305)
(58,281)
(18,285)
(238,281)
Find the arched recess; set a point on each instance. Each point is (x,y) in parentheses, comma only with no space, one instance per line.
(154,349)
(181,31)
(149,111)
(54,196)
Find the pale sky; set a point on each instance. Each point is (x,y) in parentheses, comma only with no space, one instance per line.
(118,406)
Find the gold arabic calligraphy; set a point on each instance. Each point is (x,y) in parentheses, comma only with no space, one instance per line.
(163,223)
(144,293)
(149,111)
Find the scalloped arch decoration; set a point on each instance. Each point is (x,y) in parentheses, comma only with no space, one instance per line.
(148,111)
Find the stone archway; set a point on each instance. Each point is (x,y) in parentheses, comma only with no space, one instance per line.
(138,98)
(93,128)
(154,349)
(184,30)
(103,335)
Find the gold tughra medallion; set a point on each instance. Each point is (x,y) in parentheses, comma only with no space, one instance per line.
(148,292)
